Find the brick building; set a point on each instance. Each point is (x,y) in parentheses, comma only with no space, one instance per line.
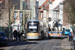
(65,17)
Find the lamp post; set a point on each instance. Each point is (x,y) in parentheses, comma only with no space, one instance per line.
(9,19)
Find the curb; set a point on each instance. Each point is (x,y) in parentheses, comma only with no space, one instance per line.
(10,40)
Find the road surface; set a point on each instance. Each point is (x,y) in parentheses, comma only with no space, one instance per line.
(45,44)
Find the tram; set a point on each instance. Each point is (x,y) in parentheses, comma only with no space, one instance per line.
(34,30)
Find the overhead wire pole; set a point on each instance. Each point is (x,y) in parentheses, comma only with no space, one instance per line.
(30,10)
(9,18)
(22,14)
(25,14)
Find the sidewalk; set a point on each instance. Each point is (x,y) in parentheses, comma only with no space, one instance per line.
(10,40)
(66,44)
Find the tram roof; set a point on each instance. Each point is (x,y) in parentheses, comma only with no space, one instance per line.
(33,20)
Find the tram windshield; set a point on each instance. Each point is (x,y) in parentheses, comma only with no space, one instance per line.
(32,27)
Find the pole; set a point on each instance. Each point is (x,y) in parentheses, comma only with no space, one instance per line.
(25,15)
(30,10)
(22,14)
(9,18)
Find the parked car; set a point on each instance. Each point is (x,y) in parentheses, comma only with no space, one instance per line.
(67,31)
(3,39)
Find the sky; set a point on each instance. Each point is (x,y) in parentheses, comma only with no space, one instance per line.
(55,3)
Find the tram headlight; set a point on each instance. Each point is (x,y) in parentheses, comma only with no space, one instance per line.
(32,23)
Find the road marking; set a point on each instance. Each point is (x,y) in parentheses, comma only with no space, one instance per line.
(56,44)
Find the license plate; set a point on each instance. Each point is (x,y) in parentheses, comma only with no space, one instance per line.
(54,35)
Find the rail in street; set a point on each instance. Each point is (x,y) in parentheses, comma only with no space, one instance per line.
(45,44)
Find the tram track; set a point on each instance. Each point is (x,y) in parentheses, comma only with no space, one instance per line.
(46,44)
(49,43)
(16,45)
(27,44)
(27,47)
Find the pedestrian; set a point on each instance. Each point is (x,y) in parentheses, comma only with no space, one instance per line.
(15,34)
(63,31)
(19,35)
(22,34)
(74,35)
(49,28)
(70,36)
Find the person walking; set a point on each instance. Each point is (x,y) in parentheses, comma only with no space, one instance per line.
(15,34)
(22,34)
(71,35)
(19,35)
(74,35)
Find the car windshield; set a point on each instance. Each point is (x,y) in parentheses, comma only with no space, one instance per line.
(67,30)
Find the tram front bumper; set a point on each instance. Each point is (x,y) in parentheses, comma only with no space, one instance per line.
(32,37)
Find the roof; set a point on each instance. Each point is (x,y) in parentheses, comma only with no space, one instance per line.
(47,7)
(41,10)
(46,2)
(56,8)
(43,4)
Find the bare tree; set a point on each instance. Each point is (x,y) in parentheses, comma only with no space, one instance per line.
(70,11)
(1,12)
